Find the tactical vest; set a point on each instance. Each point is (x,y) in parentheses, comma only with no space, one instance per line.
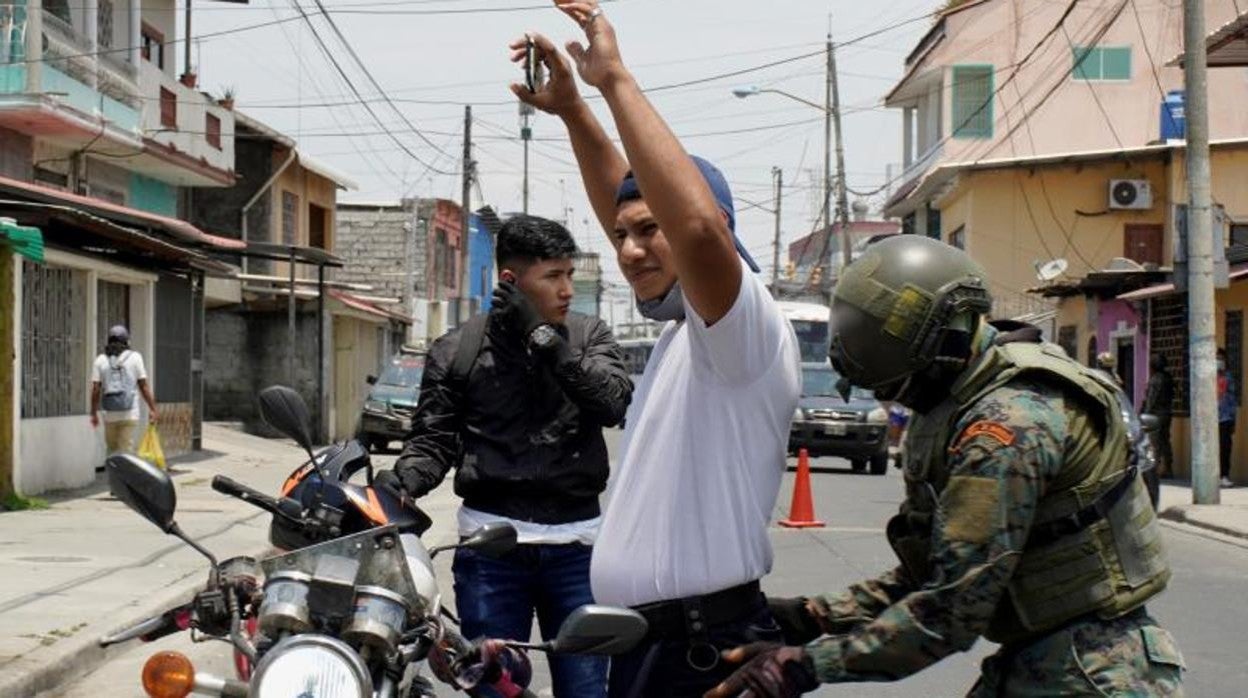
(1102,553)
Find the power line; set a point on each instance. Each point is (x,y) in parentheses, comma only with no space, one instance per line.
(338,67)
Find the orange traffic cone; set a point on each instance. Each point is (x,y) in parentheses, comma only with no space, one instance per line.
(802,510)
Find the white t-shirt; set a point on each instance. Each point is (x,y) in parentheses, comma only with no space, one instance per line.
(132,363)
(702,457)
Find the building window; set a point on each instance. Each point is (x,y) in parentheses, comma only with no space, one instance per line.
(54,344)
(168,109)
(59,9)
(213,130)
(933,222)
(972,101)
(104,24)
(958,237)
(1167,335)
(1142,242)
(318,226)
(1102,63)
(908,223)
(152,45)
(1239,234)
(290,218)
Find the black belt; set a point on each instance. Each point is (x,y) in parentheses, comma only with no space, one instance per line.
(694,615)
(1046,533)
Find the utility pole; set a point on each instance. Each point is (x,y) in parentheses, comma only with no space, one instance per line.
(826,209)
(526,135)
(778,175)
(842,202)
(465,279)
(1200,294)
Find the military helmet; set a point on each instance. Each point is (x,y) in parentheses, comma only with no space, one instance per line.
(1106,360)
(893,308)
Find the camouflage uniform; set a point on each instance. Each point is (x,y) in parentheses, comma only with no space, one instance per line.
(1011,445)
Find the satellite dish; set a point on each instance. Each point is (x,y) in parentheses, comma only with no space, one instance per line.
(1052,269)
(1124,264)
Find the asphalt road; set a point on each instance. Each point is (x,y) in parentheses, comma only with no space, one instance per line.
(1203,608)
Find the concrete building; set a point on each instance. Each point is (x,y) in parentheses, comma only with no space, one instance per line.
(996,80)
(318,334)
(411,250)
(98,143)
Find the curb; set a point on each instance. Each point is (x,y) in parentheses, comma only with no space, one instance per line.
(1178,514)
(70,659)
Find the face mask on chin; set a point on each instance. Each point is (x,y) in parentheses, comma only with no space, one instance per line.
(670,306)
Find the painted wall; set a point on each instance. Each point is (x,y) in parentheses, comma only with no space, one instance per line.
(1002,33)
(193,109)
(481,263)
(311,188)
(153,195)
(1119,318)
(162,15)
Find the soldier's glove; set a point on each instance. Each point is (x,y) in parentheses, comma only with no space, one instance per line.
(770,670)
(516,310)
(795,620)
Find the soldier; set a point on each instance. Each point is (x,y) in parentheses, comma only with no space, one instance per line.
(1024,522)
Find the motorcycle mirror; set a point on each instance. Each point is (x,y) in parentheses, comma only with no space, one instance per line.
(284,410)
(371,380)
(492,539)
(149,491)
(1149,422)
(143,487)
(594,629)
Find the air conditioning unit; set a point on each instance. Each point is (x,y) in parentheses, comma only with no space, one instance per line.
(1133,194)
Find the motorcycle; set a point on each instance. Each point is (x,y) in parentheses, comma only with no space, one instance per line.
(350,608)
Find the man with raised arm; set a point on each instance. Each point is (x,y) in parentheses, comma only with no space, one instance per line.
(684,534)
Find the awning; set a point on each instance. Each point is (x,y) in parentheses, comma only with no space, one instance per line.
(1167,289)
(124,215)
(24,239)
(364,306)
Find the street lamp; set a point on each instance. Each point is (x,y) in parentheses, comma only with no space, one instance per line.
(831,113)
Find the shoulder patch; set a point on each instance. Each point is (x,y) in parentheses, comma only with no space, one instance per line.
(993,430)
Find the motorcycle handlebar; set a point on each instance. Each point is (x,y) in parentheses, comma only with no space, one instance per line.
(148,629)
(233,488)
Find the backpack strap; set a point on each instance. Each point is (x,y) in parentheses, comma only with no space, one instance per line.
(471,339)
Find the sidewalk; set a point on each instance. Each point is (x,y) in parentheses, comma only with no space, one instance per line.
(88,565)
(1230,518)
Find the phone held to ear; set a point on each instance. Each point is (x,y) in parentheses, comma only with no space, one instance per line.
(533,67)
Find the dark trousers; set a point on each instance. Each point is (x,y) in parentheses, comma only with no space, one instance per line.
(680,667)
(1162,447)
(498,597)
(1226,434)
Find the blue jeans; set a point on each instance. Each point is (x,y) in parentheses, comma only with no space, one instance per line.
(497,597)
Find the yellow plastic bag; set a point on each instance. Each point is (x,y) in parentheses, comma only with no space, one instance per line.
(150,450)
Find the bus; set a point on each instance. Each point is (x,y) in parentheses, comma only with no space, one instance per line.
(811,322)
(637,355)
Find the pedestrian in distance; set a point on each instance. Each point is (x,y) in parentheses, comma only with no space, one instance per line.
(1159,402)
(684,537)
(1228,409)
(118,380)
(1025,520)
(517,400)
(1106,362)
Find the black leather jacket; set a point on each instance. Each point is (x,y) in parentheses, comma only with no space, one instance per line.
(526,432)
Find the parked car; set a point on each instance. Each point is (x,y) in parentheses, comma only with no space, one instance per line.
(827,425)
(391,403)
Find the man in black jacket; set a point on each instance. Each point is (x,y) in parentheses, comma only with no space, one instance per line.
(1158,401)
(517,400)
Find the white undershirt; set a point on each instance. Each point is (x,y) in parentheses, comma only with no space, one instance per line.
(530,533)
(702,457)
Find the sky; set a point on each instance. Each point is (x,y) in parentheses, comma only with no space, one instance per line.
(431,57)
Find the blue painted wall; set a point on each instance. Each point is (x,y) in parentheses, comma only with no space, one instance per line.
(481,261)
(153,195)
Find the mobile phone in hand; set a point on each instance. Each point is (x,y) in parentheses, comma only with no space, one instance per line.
(534,73)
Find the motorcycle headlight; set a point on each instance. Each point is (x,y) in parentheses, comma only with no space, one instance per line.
(878,415)
(798,415)
(376,406)
(311,666)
